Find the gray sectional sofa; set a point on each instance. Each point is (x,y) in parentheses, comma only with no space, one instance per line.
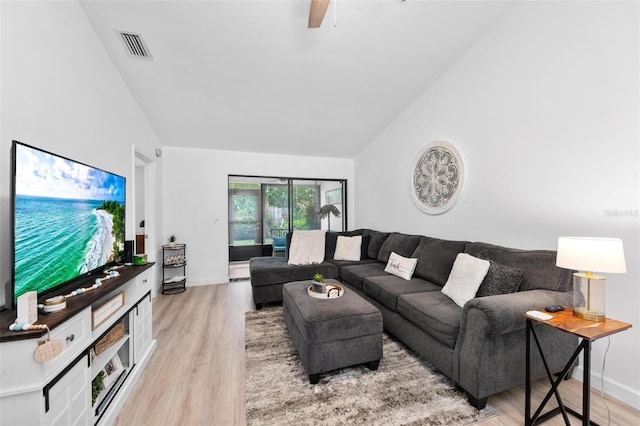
(480,346)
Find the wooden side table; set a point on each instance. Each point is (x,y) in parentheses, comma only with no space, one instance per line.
(588,331)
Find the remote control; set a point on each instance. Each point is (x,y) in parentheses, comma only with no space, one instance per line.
(539,315)
(555,308)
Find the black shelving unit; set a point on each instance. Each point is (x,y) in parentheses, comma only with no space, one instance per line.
(174,265)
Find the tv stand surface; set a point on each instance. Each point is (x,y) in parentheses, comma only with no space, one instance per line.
(74,304)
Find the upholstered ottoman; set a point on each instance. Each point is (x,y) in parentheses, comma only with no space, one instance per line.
(332,333)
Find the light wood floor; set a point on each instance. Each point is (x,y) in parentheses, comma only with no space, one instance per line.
(197,374)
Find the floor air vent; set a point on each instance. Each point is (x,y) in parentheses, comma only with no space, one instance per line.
(135,45)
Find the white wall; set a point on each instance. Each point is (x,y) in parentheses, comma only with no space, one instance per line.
(61,93)
(195,199)
(545,112)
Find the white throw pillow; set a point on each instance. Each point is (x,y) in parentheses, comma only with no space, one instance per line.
(465,278)
(348,248)
(400,266)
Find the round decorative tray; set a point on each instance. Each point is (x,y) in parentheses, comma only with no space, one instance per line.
(333,291)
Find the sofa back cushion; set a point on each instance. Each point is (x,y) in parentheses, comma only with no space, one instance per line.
(376,239)
(402,244)
(435,258)
(539,266)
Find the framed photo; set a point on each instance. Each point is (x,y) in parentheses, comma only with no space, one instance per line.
(112,370)
(334,196)
(104,311)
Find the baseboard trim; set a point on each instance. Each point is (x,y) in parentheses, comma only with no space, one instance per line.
(612,388)
(208,281)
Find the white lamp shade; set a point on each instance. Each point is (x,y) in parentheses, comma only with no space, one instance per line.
(591,254)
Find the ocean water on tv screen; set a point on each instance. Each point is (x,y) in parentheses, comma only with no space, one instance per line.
(58,239)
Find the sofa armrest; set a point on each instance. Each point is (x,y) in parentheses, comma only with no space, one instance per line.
(505,312)
(490,352)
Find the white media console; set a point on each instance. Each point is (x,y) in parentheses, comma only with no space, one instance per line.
(116,344)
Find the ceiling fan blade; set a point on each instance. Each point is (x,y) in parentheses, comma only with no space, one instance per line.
(317,11)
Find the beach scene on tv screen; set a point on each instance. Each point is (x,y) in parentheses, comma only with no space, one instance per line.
(69,219)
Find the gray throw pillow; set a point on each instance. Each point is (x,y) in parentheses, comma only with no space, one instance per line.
(500,279)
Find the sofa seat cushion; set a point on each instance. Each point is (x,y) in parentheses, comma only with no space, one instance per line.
(355,275)
(434,313)
(386,289)
(344,263)
(275,270)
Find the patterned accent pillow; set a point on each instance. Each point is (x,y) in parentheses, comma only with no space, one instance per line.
(500,279)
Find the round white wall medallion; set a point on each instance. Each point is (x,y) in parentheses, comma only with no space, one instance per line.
(438,178)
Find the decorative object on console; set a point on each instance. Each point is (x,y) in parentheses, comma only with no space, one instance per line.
(108,308)
(590,255)
(172,240)
(437,178)
(58,303)
(28,307)
(97,385)
(54,304)
(113,336)
(48,348)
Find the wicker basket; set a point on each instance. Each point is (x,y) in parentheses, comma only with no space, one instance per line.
(115,334)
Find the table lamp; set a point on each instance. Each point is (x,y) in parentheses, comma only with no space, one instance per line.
(590,255)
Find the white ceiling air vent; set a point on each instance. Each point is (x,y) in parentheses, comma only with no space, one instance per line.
(135,45)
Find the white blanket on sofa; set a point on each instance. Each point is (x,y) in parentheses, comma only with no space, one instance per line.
(307,247)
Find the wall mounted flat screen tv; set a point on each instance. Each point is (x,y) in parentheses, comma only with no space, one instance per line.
(68,220)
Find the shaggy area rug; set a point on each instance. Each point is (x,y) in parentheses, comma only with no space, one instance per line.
(404,390)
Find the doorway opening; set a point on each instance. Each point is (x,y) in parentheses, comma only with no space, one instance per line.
(263,209)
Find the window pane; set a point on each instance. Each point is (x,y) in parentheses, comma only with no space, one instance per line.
(244,207)
(276,211)
(332,213)
(306,205)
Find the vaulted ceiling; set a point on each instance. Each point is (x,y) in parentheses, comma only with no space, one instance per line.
(248,75)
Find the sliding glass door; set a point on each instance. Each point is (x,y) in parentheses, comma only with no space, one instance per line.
(261,208)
